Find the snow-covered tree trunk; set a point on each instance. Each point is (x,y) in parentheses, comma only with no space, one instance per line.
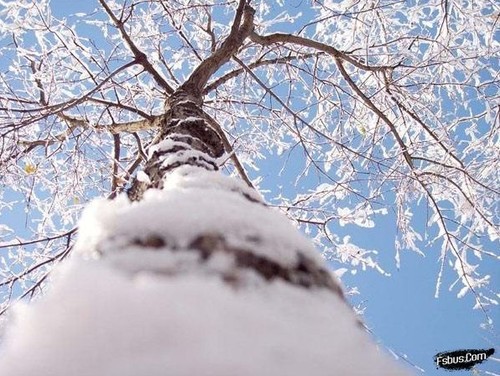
(190,273)
(187,156)
(194,276)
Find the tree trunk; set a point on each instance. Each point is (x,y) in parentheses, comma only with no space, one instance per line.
(192,146)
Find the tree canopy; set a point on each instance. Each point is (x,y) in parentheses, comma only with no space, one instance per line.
(372,108)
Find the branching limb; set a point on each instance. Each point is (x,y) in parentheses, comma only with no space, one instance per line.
(180,32)
(59,256)
(367,101)
(37,285)
(44,112)
(240,30)
(338,57)
(298,118)
(122,106)
(153,122)
(415,117)
(306,42)
(462,193)
(229,149)
(462,170)
(450,245)
(209,30)
(46,239)
(260,63)
(140,57)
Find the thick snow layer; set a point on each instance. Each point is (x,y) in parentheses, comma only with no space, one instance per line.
(120,306)
(193,202)
(100,321)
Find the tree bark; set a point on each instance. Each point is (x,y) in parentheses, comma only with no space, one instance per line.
(188,140)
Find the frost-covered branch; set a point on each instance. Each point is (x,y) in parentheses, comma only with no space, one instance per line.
(259,63)
(140,56)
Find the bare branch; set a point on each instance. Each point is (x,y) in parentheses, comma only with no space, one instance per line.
(259,63)
(197,80)
(376,110)
(140,57)
(306,42)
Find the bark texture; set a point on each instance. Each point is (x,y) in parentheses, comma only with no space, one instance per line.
(188,139)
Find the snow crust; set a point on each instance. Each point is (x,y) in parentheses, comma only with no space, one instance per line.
(193,202)
(143,177)
(166,144)
(123,310)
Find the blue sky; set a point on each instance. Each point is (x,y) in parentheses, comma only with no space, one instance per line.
(401,310)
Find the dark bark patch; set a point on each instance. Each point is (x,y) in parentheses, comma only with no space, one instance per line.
(151,241)
(207,244)
(198,128)
(305,273)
